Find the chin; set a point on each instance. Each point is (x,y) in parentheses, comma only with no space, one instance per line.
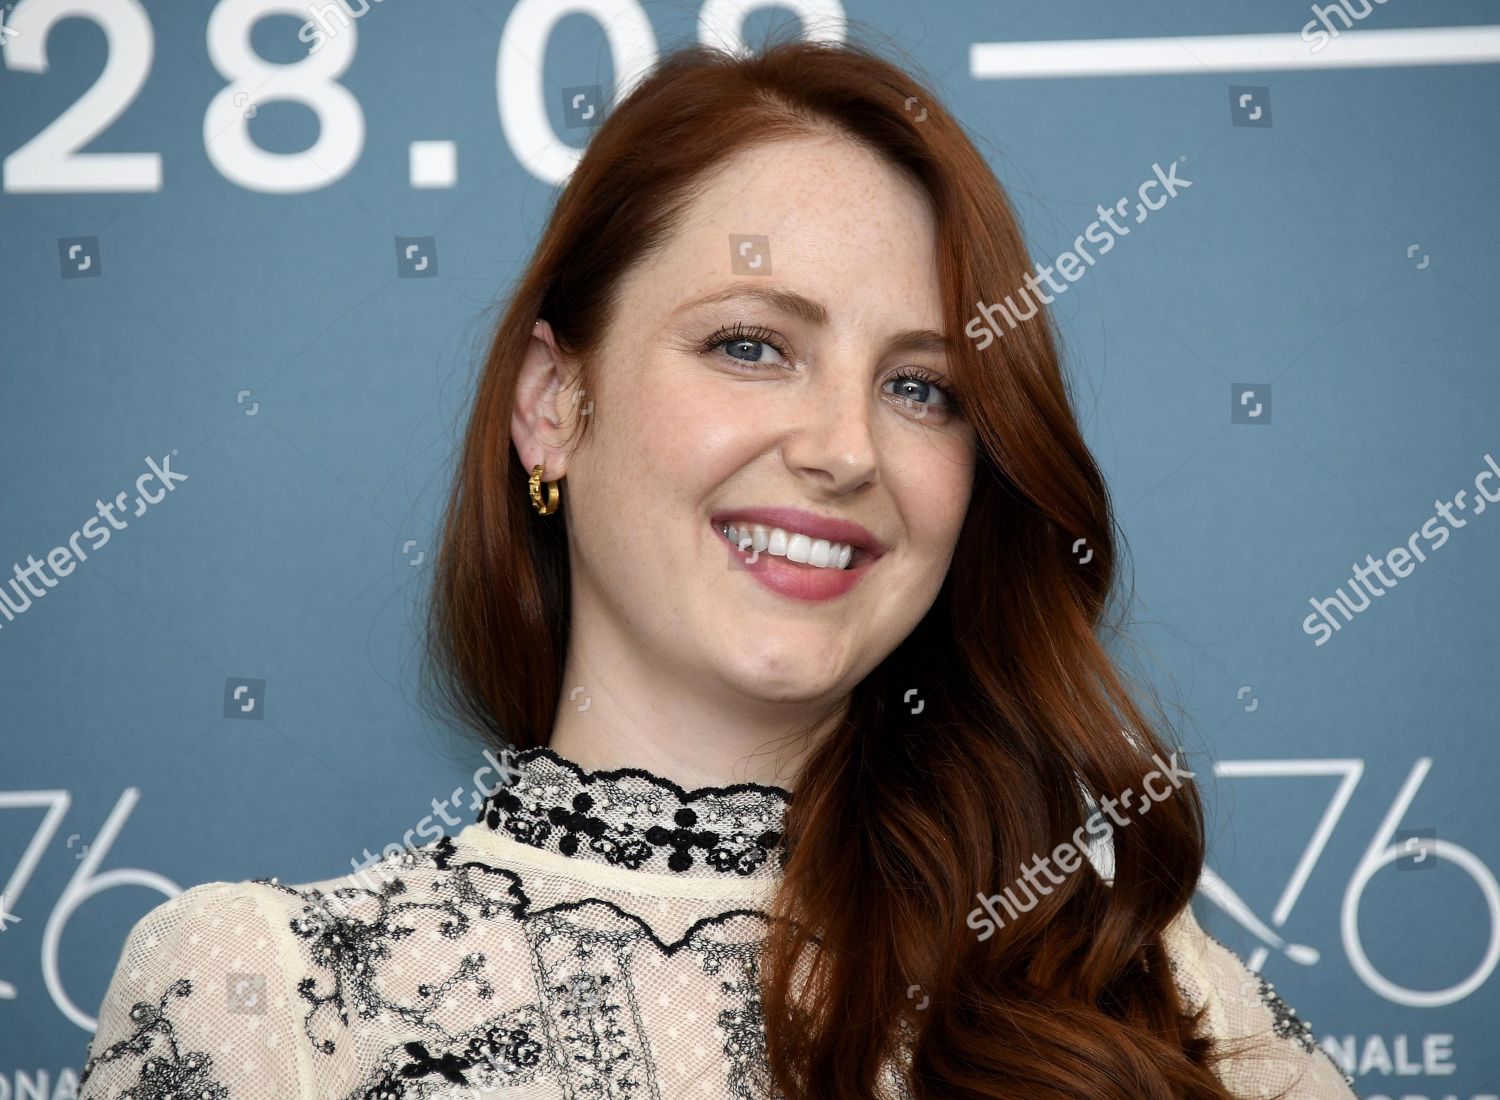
(784,673)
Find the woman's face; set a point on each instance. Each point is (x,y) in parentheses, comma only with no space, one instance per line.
(737,378)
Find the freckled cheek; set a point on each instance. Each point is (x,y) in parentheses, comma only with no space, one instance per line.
(933,494)
(708,439)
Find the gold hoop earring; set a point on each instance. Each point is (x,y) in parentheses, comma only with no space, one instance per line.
(535,483)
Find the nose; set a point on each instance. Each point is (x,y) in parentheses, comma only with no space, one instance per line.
(832,442)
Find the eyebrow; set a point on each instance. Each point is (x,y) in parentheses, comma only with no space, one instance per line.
(804,308)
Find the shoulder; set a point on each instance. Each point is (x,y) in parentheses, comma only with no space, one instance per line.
(196,1004)
(437,880)
(1264,1046)
(201,929)
(262,989)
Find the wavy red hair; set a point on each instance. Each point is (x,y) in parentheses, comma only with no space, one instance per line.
(899,820)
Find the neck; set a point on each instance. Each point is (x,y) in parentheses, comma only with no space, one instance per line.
(637,716)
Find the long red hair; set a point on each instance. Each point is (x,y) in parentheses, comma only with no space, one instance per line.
(899,820)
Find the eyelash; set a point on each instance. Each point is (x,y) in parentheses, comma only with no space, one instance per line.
(759,334)
(738,332)
(922,374)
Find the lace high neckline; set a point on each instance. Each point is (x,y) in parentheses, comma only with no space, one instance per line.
(633,818)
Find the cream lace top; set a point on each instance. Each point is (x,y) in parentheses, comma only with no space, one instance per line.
(594,935)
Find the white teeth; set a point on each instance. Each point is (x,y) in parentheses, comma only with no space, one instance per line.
(792,545)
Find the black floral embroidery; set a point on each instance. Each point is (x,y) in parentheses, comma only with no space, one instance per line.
(500,1052)
(578,823)
(743,1024)
(349,932)
(632,818)
(412,1026)
(578,1029)
(166,1075)
(590,1012)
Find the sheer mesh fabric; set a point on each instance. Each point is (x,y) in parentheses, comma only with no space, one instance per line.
(594,934)
(1272,1049)
(199,1005)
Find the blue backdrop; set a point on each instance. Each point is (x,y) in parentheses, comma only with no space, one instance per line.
(250,250)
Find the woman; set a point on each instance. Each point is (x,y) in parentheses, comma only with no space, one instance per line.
(777,584)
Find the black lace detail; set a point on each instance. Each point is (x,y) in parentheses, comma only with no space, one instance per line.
(632,818)
(166,1075)
(743,1024)
(1285,1021)
(583,1026)
(498,1053)
(577,1028)
(589,1007)
(349,932)
(1288,1025)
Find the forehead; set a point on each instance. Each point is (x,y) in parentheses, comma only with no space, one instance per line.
(841,225)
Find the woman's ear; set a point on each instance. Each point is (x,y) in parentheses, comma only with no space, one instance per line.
(544,413)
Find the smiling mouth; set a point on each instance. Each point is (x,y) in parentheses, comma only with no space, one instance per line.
(794,546)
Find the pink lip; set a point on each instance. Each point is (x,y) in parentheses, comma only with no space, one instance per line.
(815,526)
(800,581)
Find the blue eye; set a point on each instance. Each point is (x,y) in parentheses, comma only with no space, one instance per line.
(749,346)
(916,384)
(750,340)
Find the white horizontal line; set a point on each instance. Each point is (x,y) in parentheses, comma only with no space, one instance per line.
(1225,53)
